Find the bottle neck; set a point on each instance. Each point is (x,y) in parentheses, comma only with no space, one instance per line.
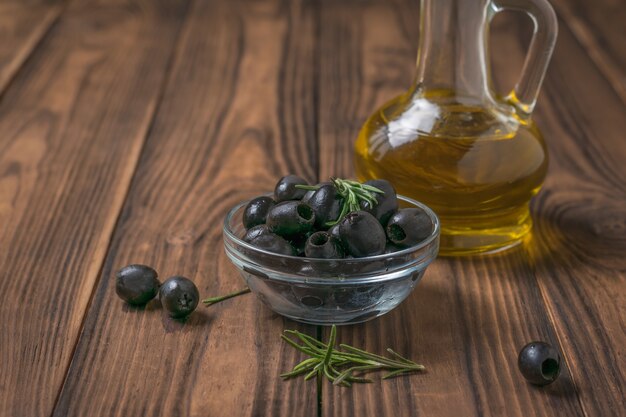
(452,55)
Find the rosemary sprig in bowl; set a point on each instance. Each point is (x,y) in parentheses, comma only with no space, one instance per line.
(352,192)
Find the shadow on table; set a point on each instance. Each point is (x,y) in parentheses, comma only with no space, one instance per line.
(199,317)
(151,307)
(573,232)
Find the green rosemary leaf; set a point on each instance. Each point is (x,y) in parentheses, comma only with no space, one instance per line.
(302,349)
(363,353)
(403,359)
(307,187)
(348,373)
(306,364)
(312,341)
(304,339)
(331,343)
(393,374)
(353,193)
(214,300)
(372,188)
(340,365)
(328,374)
(293,373)
(311,374)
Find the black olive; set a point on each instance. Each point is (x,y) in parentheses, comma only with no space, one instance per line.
(290,218)
(387,202)
(256,231)
(409,226)
(334,231)
(273,243)
(539,363)
(286,188)
(361,234)
(323,245)
(310,193)
(307,196)
(179,296)
(299,242)
(391,248)
(136,284)
(256,211)
(326,204)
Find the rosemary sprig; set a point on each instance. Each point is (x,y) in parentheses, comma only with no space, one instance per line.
(214,300)
(340,365)
(352,192)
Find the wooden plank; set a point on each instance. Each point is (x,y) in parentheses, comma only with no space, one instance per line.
(580,224)
(465,322)
(237,114)
(73,121)
(599,27)
(22,25)
(469,317)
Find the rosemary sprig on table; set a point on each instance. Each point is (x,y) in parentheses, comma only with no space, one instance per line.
(214,300)
(352,192)
(339,366)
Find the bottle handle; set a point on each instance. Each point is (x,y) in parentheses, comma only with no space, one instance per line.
(524,95)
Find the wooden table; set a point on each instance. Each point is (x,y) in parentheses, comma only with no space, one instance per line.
(129,127)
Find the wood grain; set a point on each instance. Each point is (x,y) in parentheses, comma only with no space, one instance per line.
(465,322)
(22,25)
(130,127)
(468,319)
(580,224)
(236,115)
(73,122)
(599,28)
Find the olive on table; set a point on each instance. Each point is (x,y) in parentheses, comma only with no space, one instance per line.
(409,226)
(361,234)
(286,188)
(323,245)
(136,284)
(179,296)
(539,363)
(290,218)
(256,211)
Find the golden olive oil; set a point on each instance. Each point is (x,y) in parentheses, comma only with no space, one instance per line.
(476,166)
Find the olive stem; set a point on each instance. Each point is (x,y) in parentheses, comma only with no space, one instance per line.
(214,300)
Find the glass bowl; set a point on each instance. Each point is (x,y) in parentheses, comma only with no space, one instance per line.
(330,291)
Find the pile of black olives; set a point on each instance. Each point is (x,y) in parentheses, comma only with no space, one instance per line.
(138,284)
(313,222)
